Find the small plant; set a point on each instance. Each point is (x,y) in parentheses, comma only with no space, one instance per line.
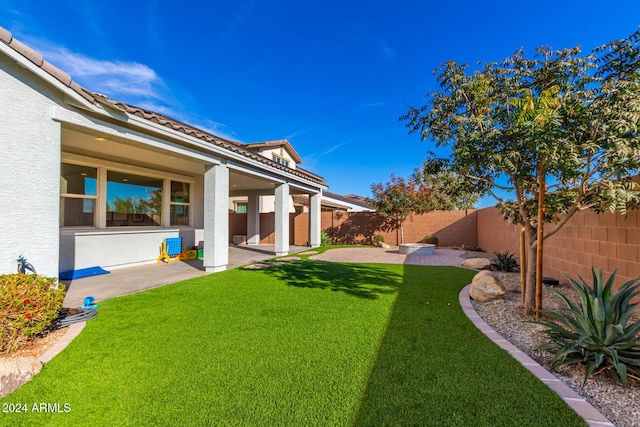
(377,239)
(431,239)
(597,332)
(325,240)
(504,261)
(28,305)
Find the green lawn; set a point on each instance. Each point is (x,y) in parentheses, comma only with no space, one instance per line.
(306,343)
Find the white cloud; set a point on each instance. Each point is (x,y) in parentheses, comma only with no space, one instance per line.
(332,149)
(371,105)
(295,134)
(130,82)
(113,78)
(387,51)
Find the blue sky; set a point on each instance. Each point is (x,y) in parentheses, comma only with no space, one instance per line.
(332,77)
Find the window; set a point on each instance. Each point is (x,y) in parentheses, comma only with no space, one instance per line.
(97,196)
(281,160)
(78,195)
(179,205)
(133,200)
(241,207)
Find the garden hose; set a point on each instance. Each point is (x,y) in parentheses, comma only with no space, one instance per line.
(66,320)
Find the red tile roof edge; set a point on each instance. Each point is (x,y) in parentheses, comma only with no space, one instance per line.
(38,60)
(234,146)
(277,143)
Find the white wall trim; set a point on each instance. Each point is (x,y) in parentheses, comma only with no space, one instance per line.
(123,167)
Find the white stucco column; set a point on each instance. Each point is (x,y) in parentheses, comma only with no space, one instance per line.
(253,219)
(282,219)
(216,218)
(314,219)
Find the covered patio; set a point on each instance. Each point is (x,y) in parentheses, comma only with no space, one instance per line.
(124,281)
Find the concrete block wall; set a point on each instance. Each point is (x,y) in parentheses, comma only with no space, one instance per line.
(453,228)
(607,241)
(496,235)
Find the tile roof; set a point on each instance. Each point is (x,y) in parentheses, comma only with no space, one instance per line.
(303,199)
(277,143)
(38,60)
(351,198)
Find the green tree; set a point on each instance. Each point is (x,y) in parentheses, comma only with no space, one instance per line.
(561,117)
(448,190)
(424,191)
(124,205)
(399,198)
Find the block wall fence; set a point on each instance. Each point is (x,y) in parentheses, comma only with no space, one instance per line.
(607,241)
(453,228)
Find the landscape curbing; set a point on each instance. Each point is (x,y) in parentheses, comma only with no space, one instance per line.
(73,331)
(579,404)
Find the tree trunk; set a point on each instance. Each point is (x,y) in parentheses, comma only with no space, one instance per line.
(401,233)
(523,264)
(542,189)
(530,297)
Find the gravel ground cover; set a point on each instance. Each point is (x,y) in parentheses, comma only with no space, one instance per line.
(620,405)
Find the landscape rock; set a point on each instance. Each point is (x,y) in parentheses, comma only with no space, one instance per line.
(486,287)
(16,371)
(477,263)
(384,245)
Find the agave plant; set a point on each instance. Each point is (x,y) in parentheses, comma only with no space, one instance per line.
(504,261)
(599,331)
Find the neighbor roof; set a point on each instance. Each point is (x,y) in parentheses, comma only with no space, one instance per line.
(277,143)
(94,98)
(350,198)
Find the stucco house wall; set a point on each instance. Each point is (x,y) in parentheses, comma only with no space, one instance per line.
(30,186)
(70,154)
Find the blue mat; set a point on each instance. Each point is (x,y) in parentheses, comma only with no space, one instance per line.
(83,272)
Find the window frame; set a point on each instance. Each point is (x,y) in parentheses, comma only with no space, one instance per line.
(187,204)
(100,212)
(281,160)
(68,195)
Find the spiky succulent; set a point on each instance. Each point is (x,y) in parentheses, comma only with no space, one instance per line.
(599,331)
(504,261)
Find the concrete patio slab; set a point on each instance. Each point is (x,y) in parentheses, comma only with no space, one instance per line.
(124,281)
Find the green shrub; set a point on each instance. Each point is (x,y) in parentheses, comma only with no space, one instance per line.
(431,239)
(596,332)
(325,240)
(504,261)
(377,239)
(28,305)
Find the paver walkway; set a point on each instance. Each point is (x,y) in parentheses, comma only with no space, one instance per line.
(390,256)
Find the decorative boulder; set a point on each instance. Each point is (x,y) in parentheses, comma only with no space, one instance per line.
(16,371)
(486,287)
(477,263)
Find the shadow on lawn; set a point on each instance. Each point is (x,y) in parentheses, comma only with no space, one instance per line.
(406,382)
(355,279)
